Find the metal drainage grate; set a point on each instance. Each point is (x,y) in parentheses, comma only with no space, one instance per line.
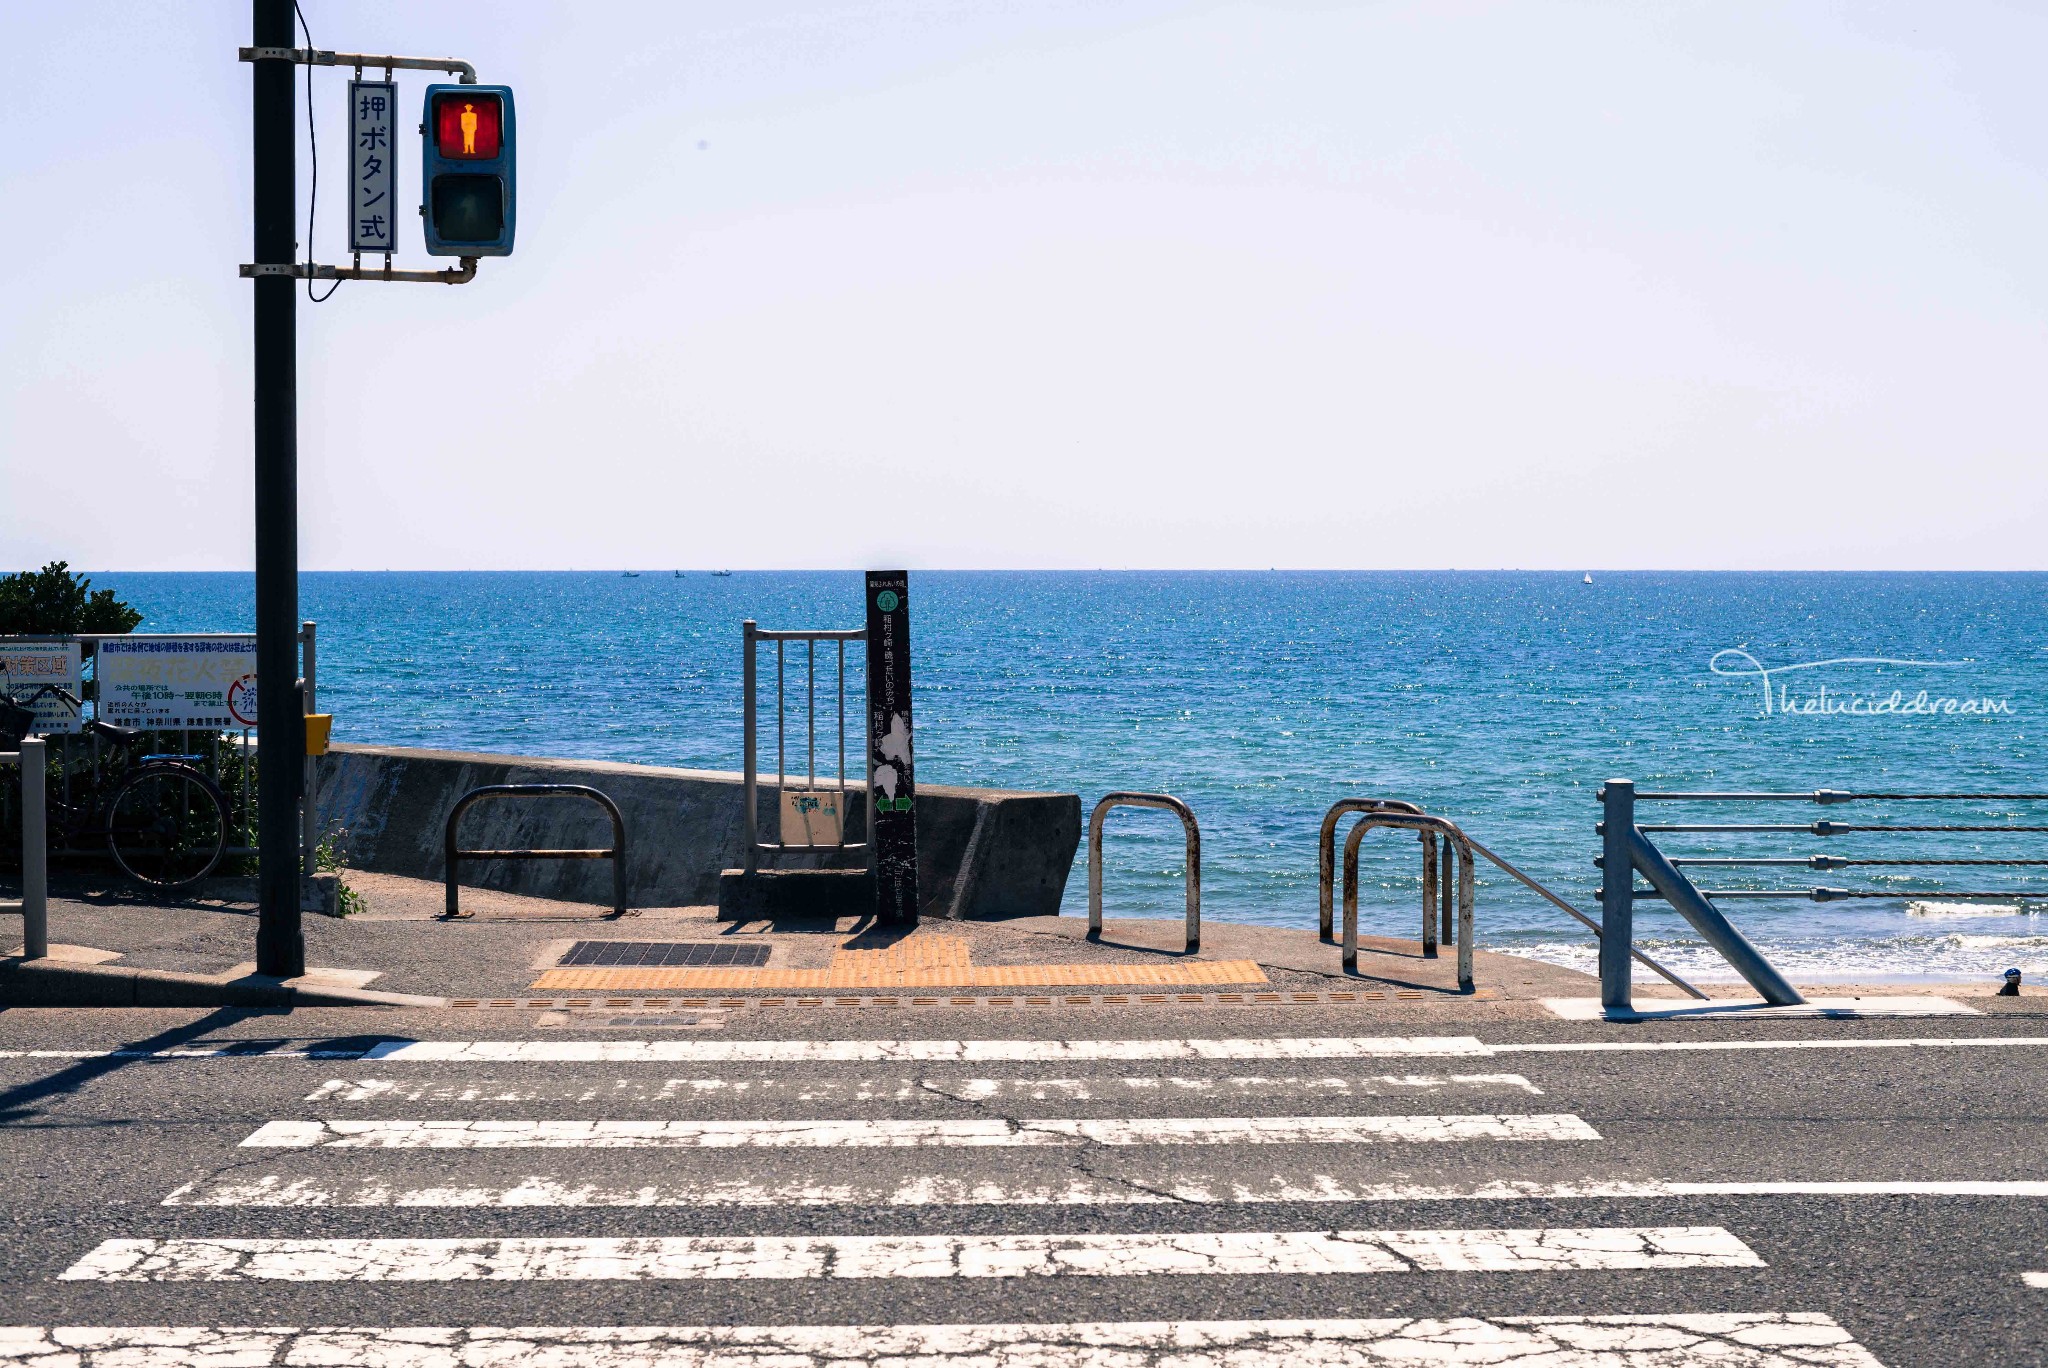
(678,954)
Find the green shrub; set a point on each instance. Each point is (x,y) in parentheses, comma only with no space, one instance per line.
(54,602)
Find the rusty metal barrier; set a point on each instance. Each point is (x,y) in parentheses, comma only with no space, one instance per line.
(1165,803)
(1326,889)
(1409,821)
(616,853)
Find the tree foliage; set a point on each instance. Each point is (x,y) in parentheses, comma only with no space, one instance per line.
(54,602)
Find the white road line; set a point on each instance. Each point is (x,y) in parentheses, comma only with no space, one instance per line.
(995,1051)
(1740,1340)
(2035,1279)
(215,1052)
(1908,1188)
(914,1256)
(922,1132)
(807,1089)
(916,1051)
(1665,1046)
(275,1190)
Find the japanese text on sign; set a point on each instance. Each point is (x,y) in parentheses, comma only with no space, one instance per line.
(174,682)
(25,668)
(373,162)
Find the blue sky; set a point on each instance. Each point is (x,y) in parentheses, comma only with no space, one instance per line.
(1094,284)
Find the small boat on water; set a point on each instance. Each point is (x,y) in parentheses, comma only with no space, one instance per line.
(721,574)
(630,574)
(1588,579)
(679,574)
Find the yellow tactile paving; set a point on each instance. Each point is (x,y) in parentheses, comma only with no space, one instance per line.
(916,962)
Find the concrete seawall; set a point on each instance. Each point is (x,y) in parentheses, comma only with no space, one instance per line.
(981,852)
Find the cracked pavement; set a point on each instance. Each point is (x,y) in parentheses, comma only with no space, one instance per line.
(876,1227)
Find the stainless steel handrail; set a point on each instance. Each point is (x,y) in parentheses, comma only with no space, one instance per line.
(1326,852)
(1165,803)
(1418,822)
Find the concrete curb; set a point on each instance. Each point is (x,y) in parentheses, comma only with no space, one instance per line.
(48,983)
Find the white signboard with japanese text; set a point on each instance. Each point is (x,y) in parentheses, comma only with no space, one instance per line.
(173,682)
(373,164)
(25,667)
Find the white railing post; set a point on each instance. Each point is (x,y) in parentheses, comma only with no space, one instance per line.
(34,904)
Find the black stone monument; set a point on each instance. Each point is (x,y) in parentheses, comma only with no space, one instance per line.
(892,789)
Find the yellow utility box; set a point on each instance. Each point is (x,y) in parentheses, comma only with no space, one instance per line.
(318,727)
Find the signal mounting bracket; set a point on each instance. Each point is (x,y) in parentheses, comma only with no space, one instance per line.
(464,73)
(306,270)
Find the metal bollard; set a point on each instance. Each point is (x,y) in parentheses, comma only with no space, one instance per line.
(34,903)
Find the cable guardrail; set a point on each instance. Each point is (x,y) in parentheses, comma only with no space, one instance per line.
(1591,925)
(1627,850)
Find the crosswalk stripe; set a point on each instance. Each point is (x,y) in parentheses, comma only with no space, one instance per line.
(919,1132)
(1147,1087)
(1725,1340)
(2035,1279)
(915,1051)
(914,1256)
(274,1190)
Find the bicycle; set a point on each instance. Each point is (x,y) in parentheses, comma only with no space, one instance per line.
(165,822)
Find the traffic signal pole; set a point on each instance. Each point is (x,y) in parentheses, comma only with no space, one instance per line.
(276,271)
(280,720)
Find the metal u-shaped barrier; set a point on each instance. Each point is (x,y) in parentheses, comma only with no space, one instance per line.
(1437,826)
(1326,855)
(452,854)
(1166,803)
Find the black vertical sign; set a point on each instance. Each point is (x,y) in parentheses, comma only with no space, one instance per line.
(892,791)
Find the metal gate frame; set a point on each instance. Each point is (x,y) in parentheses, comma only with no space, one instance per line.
(752,845)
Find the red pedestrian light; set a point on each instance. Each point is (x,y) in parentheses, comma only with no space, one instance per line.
(468,127)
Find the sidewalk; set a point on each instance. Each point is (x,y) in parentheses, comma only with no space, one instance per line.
(520,952)
(515,947)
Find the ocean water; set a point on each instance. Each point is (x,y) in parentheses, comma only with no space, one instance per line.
(1501,700)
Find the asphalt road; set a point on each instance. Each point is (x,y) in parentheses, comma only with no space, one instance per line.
(1126,1189)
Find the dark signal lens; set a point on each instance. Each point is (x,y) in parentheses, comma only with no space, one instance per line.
(468,127)
(469,208)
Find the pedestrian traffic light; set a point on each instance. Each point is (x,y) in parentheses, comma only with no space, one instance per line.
(469,193)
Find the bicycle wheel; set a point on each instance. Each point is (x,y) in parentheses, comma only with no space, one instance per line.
(167,825)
